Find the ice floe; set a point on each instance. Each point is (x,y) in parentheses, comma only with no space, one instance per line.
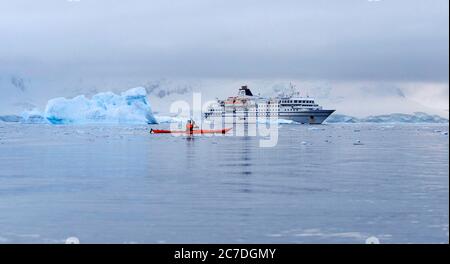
(358,142)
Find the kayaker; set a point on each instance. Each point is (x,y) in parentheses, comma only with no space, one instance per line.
(190,126)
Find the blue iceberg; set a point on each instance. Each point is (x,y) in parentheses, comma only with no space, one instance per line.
(33,117)
(130,107)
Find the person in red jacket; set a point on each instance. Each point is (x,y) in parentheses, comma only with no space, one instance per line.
(190,125)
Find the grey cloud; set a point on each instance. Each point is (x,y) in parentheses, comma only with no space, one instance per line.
(337,40)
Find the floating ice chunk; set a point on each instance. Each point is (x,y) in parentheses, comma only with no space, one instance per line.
(358,142)
(316,128)
(170,119)
(130,107)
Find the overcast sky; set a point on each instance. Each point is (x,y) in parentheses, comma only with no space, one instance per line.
(386,40)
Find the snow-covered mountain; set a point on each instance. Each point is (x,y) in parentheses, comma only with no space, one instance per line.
(417,117)
(358,99)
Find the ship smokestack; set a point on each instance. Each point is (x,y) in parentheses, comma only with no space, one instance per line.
(245,91)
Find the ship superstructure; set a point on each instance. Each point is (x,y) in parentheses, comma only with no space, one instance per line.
(246,107)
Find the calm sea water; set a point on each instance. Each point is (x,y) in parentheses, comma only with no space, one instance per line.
(119,184)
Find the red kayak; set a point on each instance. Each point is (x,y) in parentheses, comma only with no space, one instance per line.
(199,131)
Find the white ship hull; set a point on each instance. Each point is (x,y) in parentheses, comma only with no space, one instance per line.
(306,117)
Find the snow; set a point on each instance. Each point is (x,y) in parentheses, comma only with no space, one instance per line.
(130,107)
(337,118)
(417,117)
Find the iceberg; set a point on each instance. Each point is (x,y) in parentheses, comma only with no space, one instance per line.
(130,107)
(33,117)
(10,118)
(27,117)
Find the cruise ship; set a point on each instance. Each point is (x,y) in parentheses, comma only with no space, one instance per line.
(249,108)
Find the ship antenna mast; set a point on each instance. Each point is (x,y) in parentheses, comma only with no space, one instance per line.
(294,91)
